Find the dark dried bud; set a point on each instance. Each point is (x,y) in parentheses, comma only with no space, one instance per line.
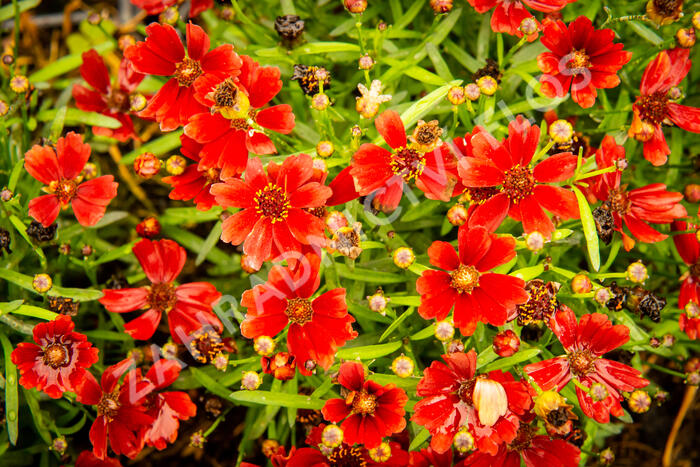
(63,305)
(491,69)
(117,283)
(5,240)
(308,78)
(8,59)
(604,224)
(290,28)
(40,233)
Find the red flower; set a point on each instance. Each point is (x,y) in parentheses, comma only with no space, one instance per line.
(653,106)
(476,293)
(370,411)
(166,408)
(317,327)
(156,7)
(121,415)
(105,98)
(428,457)
(509,14)
(688,248)
(163,54)
(651,203)
(188,305)
(384,173)
(58,360)
(454,396)
(582,59)
(194,183)
(525,192)
(585,342)
(235,125)
(88,459)
(60,169)
(273,217)
(535,450)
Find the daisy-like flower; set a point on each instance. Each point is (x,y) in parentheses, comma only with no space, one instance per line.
(467,282)
(188,306)
(105,98)
(634,208)
(426,160)
(581,58)
(58,359)
(273,219)
(163,54)
(454,396)
(688,248)
(317,326)
(508,15)
(121,414)
(194,183)
(370,411)
(535,450)
(166,407)
(236,121)
(370,99)
(59,169)
(524,192)
(585,342)
(156,7)
(654,107)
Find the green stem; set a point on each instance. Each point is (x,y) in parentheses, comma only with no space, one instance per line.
(596,173)
(666,370)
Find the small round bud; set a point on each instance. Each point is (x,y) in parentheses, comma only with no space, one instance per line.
(506,343)
(402,366)
(264,345)
(639,401)
(457,215)
(64,249)
(654,342)
(637,272)
(692,193)
(197,439)
(381,453)
(220,361)
(356,131)
(444,331)
(136,355)
(464,441)
(227,13)
(472,91)
(250,381)
(94,18)
(606,456)
(325,148)
(377,302)
(170,350)
(137,102)
(661,397)
(404,257)
(8,59)
(169,16)
(456,95)
(147,165)
(4,108)
(89,171)
(310,366)
(320,102)
(668,340)
(59,445)
(487,85)
(529,26)
(355,6)
(247,265)
(6,195)
(602,295)
(441,6)
(454,346)
(125,41)
(692,310)
(148,228)
(86,250)
(320,165)
(336,220)
(581,284)
(270,447)
(561,131)
(332,436)
(365,62)
(534,241)
(42,283)
(685,37)
(175,165)
(598,392)
(621,164)
(693,378)
(382,26)
(675,93)
(19,84)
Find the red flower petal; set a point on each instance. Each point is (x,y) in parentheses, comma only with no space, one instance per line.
(390,127)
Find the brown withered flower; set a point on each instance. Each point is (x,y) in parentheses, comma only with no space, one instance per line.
(40,233)
(491,69)
(290,28)
(664,12)
(346,241)
(63,305)
(308,78)
(426,135)
(542,302)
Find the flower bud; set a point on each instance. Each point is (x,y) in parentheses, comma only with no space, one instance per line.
(89,171)
(381,453)
(404,257)
(175,165)
(581,284)
(250,381)
(685,37)
(472,91)
(125,41)
(487,85)
(561,131)
(639,401)
(457,215)
(637,272)
(137,102)
(454,346)
(377,302)
(355,6)
(4,108)
(444,331)
(6,195)
(534,241)
(598,392)
(335,220)
(42,283)
(147,165)
(456,95)
(529,27)
(325,148)
(464,440)
(19,84)
(602,295)
(197,439)
(506,343)
(59,445)
(402,366)
(607,456)
(264,345)
(320,102)
(332,436)
(692,193)
(148,228)
(490,400)
(169,16)
(365,62)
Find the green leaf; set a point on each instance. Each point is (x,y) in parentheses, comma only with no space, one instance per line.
(312,48)
(11,396)
(368,352)
(209,243)
(408,384)
(158,146)
(57,124)
(37,415)
(521,356)
(27,310)
(268,398)
(396,323)
(24,281)
(438,62)
(77,117)
(423,75)
(589,229)
(22,230)
(8,11)
(179,216)
(17,170)
(424,333)
(419,439)
(645,33)
(108,335)
(115,253)
(65,64)
(420,108)
(369,275)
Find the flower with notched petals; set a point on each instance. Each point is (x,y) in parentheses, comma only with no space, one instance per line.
(508,15)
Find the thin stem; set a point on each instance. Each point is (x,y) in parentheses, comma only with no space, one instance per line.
(665,370)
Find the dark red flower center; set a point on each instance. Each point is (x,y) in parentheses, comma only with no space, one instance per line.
(205,345)
(212,175)
(56,355)
(667,7)
(187,71)
(230,101)
(466,391)
(695,270)
(480,195)
(578,61)
(162,296)
(118,101)
(518,183)
(109,405)
(364,403)
(464,278)
(407,163)
(64,189)
(240,124)
(619,201)
(652,108)
(541,304)
(299,310)
(523,439)
(581,362)
(272,202)
(347,456)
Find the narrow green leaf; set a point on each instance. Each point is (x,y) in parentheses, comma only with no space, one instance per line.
(409,384)
(407,300)
(115,253)
(57,124)
(30,310)
(424,333)
(11,396)
(269,398)
(312,48)
(410,15)
(78,117)
(17,170)
(179,216)
(396,323)
(420,108)
(438,62)
(158,146)
(423,75)
(37,415)
(8,11)
(24,281)
(369,275)
(368,352)
(22,230)
(419,439)
(66,64)
(589,229)
(72,429)
(209,243)
(645,33)
(108,335)
(519,357)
